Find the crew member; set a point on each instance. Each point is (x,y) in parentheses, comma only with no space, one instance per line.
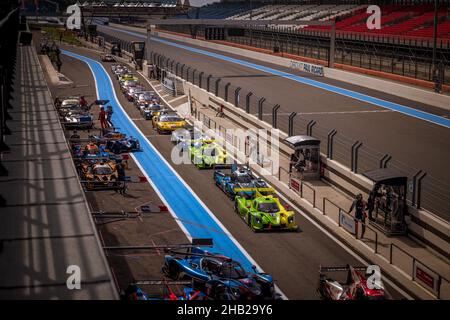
(83,102)
(359,205)
(102,118)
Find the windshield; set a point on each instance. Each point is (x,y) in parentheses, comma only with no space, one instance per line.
(268,207)
(103,170)
(232,270)
(171,119)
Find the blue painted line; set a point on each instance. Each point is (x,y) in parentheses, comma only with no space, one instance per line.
(314,83)
(184,204)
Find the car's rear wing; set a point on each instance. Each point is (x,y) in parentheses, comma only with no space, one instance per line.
(340,269)
(259,191)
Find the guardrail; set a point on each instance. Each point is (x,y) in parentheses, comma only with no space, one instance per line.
(432,283)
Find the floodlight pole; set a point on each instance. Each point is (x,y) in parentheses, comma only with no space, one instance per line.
(251,17)
(435,29)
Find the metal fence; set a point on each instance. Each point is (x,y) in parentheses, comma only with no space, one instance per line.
(424,192)
(410,57)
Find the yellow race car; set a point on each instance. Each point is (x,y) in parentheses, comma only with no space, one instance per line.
(128,77)
(167,122)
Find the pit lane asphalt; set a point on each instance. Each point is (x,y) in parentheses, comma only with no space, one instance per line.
(413,142)
(150,229)
(292,258)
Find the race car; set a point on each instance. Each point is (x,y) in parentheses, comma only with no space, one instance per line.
(205,154)
(168,122)
(108,58)
(150,110)
(125,85)
(263,212)
(241,178)
(90,151)
(78,119)
(145,98)
(117,142)
(127,77)
(219,277)
(355,287)
(119,70)
(100,175)
(131,91)
(134,292)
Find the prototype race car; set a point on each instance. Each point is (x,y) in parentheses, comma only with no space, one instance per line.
(263,212)
(355,287)
(206,154)
(220,277)
(78,119)
(117,142)
(169,122)
(131,91)
(145,98)
(150,110)
(239,178)
(102,175)
(92,153)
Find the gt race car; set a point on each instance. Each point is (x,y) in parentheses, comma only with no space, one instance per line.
(168,122)
(219,277)
(263,211)
(355,287)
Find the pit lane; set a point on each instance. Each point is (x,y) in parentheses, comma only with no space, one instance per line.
(293,258)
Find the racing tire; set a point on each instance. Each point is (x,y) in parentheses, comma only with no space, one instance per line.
(235,207)
(172,271)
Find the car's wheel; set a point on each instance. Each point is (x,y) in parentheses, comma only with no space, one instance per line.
(236,207)
(249,220)
(172,271)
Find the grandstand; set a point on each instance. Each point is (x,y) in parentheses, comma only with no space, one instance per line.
(402,46)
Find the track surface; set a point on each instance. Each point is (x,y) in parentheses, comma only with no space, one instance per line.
(293,258)
(402,136)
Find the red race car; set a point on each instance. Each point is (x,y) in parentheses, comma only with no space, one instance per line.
(356,287)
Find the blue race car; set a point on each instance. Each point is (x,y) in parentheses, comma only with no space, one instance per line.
(239,178)
(117,142)
(220,277)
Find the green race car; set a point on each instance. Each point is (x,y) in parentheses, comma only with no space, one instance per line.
(205,154)
(263,211)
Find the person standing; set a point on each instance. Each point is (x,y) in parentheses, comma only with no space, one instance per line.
(83,102)
(58,64)
(102,118)
(359,205)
